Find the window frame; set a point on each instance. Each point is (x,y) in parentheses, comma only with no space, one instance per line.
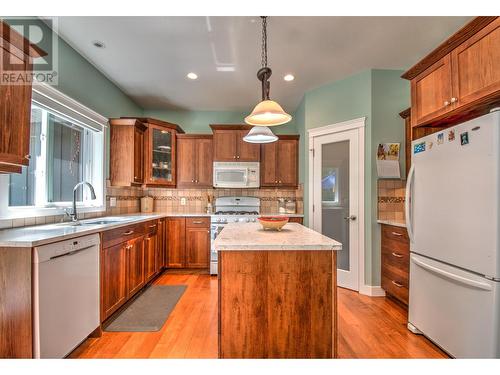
(68,108)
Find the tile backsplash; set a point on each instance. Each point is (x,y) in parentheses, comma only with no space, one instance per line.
(391,200)
(169,201)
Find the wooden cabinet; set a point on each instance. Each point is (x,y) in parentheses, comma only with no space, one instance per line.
(135,266)
(156,162)
(194,161)
(280,162)
(130,258)
(296,219)
(176,242)
(150,254)
(395,262)
(476,65)
(126,152)
(228,144)
(460,79)
(431,93)
(161,257)
(15,100)
(188,242)
(197,242)
(113,278)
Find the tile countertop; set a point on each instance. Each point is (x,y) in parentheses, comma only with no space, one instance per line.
(401,224)
(44,234)
(251,236)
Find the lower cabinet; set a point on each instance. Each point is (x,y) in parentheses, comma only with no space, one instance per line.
(296,219)
(127,266)
(395,262)
(113,278)
(135,261)
(188,242)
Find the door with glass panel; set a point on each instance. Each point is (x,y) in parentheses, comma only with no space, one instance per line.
(335,198)
(161,165)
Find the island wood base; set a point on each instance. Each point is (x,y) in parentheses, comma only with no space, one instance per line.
(277,304)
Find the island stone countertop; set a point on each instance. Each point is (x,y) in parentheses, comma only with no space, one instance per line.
(293,236)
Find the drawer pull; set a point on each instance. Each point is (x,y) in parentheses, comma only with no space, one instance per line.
(152,226)
(396,234)
(129,247)
(397,284)
(397,255)
(127,233)
(197,222)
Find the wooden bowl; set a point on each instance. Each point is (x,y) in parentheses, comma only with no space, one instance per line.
(273,222)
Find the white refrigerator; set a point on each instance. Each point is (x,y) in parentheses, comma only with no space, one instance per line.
(452,213)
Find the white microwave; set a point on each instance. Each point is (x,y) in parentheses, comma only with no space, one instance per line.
(236,175)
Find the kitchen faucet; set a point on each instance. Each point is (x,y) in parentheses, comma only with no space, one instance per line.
(73,215)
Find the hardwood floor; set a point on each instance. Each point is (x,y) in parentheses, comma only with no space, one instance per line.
(368,328)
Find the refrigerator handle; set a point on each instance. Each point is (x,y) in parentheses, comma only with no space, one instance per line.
(452,276)
(409,182)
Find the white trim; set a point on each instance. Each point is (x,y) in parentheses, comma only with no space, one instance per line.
(338,127)
(372,291)
(56,97)
(358,123)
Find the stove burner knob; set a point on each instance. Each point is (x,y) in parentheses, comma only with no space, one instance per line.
(253,220)
(236,220)
(247,220)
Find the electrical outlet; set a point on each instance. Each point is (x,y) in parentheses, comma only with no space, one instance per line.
(112,202)
(183,201)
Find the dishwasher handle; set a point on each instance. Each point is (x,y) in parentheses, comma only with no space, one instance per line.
(71,252)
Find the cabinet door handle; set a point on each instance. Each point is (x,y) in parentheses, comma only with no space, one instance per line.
(453,100)
(27,156)
(396,234)
(238,157)
(198,222)
(446,103)
(397,255)
(192,180)
(234,157)
(129,247)
(397,284)
(152,226)
(129,232)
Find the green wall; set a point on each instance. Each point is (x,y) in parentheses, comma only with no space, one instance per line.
(199,121)
(378,95)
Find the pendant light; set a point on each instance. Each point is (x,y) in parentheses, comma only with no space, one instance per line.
(267,112)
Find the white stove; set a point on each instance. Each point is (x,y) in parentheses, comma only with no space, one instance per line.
(230,210)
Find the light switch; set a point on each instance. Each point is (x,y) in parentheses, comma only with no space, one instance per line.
(112,202)
(183,201)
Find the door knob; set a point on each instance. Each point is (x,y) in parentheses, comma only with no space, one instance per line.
(351,217)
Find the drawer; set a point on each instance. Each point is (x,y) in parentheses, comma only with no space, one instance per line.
(115,236)
(396,262)
(197,222)
(151,226)
(394,233)
(295,219)
(395,287)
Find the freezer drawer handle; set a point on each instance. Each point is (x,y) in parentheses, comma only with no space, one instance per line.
(449,275)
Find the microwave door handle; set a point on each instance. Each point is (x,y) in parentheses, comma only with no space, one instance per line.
(246,176)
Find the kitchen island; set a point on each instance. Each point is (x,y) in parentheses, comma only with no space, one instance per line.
(277,292)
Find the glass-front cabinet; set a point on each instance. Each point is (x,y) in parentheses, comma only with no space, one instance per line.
(160,159)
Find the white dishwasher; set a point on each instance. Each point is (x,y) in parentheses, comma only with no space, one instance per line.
(65,295)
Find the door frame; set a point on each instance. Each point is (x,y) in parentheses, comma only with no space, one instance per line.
(354,124)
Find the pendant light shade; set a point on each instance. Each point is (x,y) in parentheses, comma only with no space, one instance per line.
(268,113)
(260,134)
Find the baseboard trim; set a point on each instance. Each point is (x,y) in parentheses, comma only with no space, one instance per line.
(372,291)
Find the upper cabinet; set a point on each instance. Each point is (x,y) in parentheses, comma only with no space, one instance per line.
(280,163)
(194,161)
(127,152)
(15,100)
(230,146)
(460,79)
(153,160)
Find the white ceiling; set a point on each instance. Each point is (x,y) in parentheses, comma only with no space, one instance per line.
(149,57)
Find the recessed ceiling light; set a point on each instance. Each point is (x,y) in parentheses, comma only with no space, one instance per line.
(289,77)
(192,75)
(98,44)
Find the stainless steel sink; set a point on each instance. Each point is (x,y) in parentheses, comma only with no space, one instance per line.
(100,222)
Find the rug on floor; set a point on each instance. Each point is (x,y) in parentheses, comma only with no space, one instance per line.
(149,311)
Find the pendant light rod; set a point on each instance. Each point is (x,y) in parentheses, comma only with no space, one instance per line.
(264,72)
